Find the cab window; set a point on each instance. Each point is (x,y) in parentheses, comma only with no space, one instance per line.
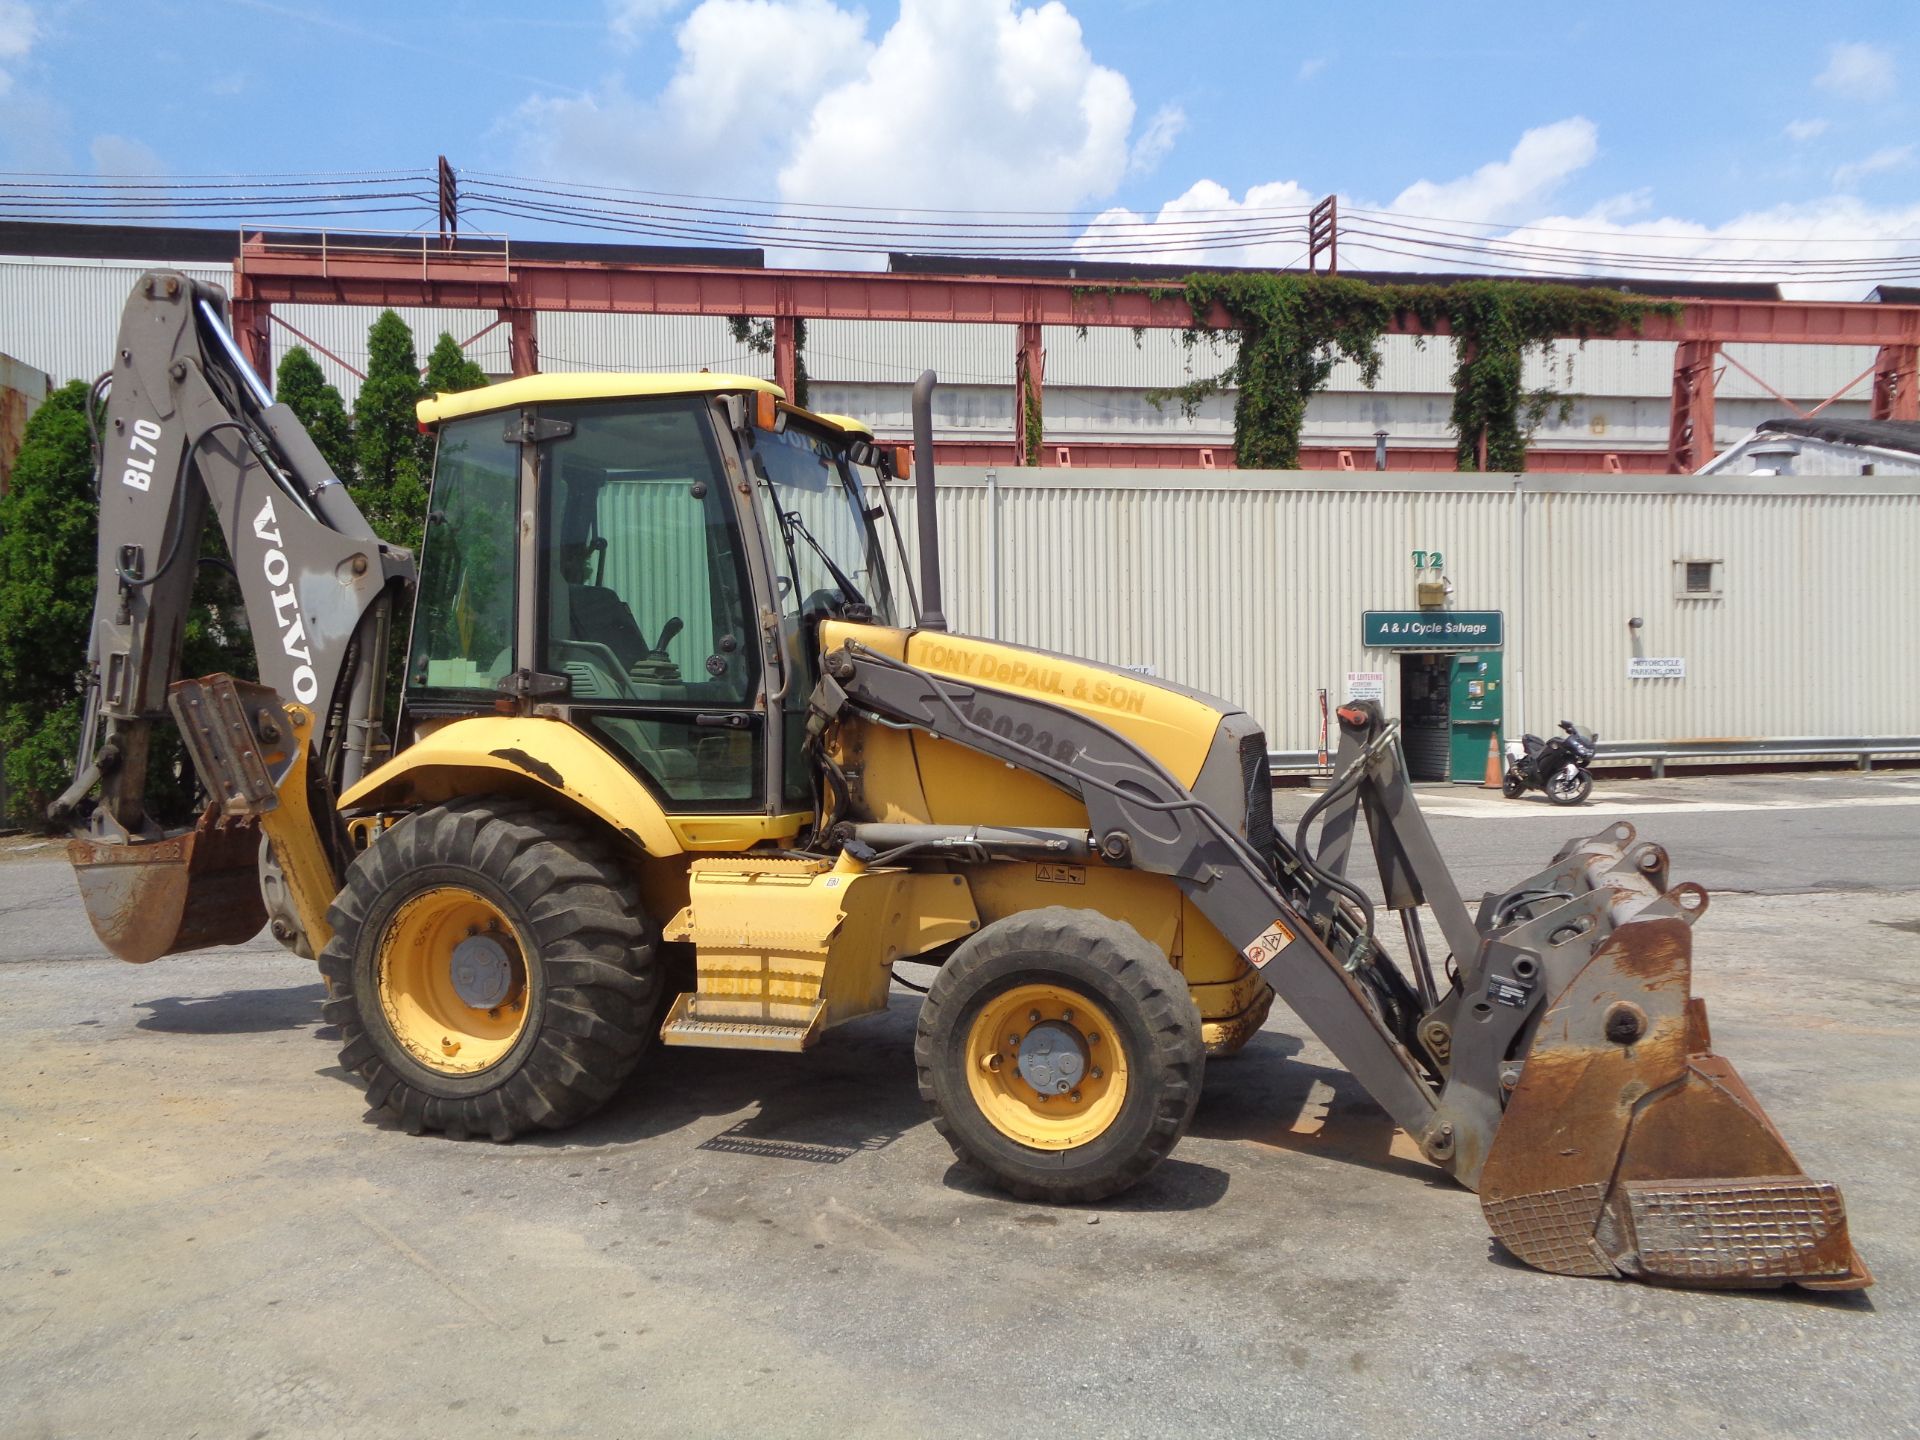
(463,620)
(645,598)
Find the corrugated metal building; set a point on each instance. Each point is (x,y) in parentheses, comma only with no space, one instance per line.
(1253,587)
(60,314)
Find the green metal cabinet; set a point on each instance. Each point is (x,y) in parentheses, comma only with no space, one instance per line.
(1473,714)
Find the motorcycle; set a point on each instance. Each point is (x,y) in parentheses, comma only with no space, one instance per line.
(1559,766)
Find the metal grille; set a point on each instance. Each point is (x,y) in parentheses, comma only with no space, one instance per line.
(1552,1230)
(1764,1228)
(1257,777)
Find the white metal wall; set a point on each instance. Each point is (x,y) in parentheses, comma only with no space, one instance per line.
(1251,586)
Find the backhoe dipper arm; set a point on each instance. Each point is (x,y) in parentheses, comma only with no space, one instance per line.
(188,427)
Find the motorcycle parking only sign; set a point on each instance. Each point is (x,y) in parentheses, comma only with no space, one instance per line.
(1657,667)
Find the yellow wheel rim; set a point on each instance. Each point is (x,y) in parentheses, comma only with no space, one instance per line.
(1070,1024)
(444,950)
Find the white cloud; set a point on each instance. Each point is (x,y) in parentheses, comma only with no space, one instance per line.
(1804,130)
(1858,72)
(1618,235)
(1504,189)
(630,20)
(747,69)
(1207,205)
(1157,139)
(19,28)
(117,155)
(1311,67)
(1891,157)
(969,103)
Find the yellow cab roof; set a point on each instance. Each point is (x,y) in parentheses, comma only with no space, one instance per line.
(558,388)
(848,424)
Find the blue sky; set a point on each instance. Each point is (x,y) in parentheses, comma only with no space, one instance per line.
(1631,119)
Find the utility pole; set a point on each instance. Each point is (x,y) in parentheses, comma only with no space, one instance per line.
(1323,233)
(449,206)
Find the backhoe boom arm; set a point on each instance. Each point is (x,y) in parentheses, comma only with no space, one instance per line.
(188,429)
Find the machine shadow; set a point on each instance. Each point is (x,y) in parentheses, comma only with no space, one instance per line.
(1265,1095)
(235,1012)
(853,1092)
(857,1092)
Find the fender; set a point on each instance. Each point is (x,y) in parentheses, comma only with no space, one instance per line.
(526,755)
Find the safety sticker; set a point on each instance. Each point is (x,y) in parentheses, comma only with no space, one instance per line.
(1262,949)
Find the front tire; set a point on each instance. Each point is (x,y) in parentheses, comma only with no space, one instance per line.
(1564,791)
(1060,1054)
(491,971)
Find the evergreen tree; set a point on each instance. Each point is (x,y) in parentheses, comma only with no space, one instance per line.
(303,389)
(47,557)
(449,371)
(392,490)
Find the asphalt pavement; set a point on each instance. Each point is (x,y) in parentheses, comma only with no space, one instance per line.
(203,1232)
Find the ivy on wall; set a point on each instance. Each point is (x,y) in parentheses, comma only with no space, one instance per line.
(1289,331)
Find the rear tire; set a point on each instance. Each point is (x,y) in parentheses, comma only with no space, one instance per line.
(1113,1011)
(544,1018)
(1513,787)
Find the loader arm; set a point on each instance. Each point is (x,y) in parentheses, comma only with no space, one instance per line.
(189,430)
(1565,1073)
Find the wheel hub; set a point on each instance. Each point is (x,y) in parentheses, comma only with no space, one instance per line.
(482,970)
(1051,1058)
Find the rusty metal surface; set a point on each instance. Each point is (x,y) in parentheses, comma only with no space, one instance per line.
(1741,1232)
(150,898)
(1628,1148)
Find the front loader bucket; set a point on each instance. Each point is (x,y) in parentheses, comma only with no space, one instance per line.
(148,898)
(1628,1148)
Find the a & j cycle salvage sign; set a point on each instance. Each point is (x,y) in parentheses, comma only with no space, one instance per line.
(1432,629)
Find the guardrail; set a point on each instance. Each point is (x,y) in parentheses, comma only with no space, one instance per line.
(1657,753)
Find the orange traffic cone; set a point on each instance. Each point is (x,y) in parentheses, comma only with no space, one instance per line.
(1496,772)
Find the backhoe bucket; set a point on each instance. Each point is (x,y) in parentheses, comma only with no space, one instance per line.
(1628,1148)
(148,898)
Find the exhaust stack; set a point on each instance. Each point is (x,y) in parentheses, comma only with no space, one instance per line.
(932,616)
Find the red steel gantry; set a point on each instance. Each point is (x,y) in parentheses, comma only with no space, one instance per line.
(517,290)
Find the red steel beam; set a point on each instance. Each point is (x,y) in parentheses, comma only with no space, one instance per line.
(264,275)
(1148,455)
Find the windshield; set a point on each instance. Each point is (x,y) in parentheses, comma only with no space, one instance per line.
(826,553)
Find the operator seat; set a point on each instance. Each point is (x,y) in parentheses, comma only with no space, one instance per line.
(599,613)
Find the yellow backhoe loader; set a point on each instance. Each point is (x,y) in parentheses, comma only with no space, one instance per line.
(675,761)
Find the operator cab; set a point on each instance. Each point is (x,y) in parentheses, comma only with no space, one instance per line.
(603,548)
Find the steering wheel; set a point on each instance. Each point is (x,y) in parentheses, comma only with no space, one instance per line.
(601,660)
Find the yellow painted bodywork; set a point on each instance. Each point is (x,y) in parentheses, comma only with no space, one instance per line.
(846,423)
(785,949)
(525,754)
(559,389)
(916,779)
(295,840)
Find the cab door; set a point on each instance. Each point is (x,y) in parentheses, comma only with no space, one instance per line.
(644,603)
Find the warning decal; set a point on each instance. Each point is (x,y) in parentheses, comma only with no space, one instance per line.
(1267,945)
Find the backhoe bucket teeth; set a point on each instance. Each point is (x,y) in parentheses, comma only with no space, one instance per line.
(1628,1148)
(149,898)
